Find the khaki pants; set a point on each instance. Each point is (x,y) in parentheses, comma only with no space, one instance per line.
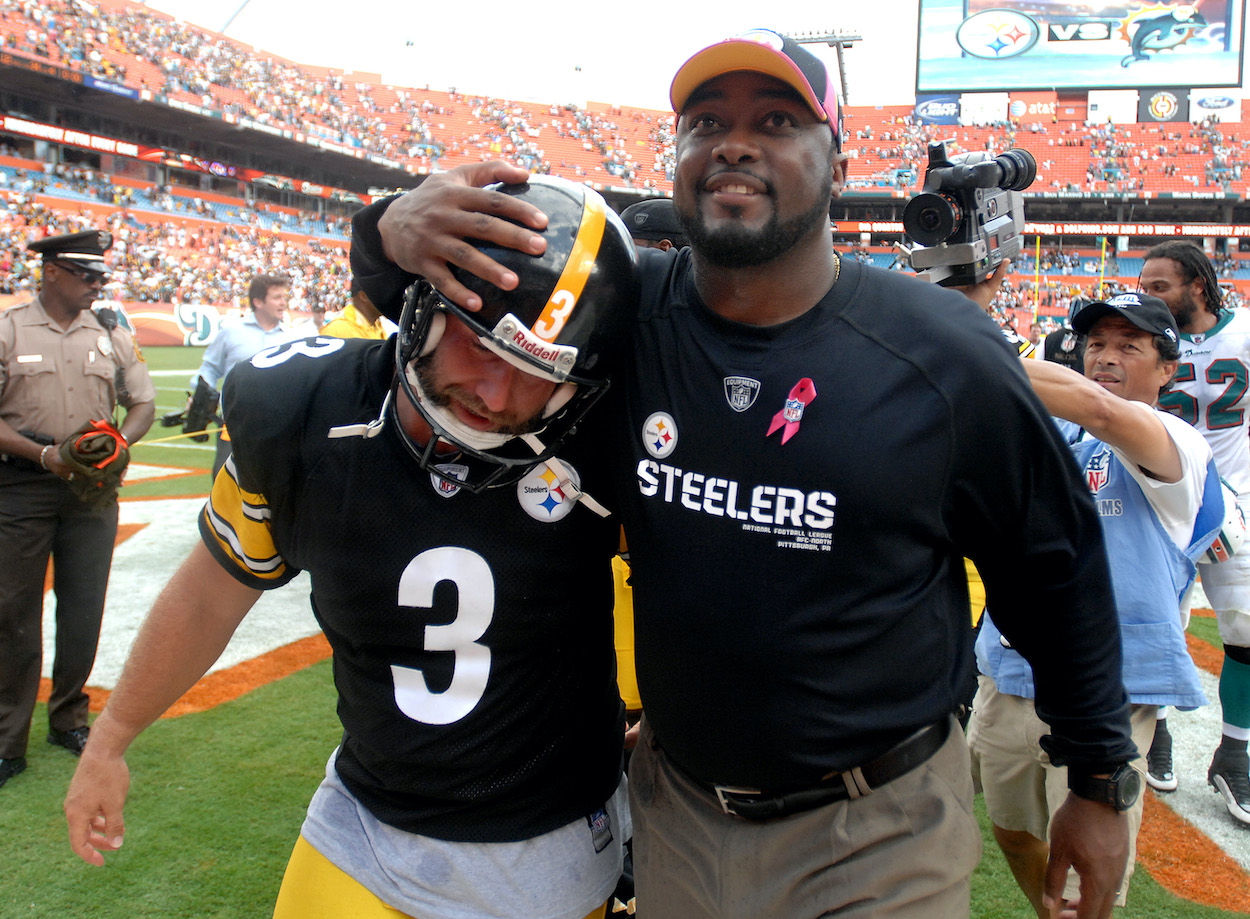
(906,851)
(1022,789)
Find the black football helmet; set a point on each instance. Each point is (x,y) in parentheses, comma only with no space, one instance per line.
(566,321)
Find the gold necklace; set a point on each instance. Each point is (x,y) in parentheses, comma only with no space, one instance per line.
(837,267)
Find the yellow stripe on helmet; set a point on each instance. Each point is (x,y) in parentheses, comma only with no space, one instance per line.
(577,269)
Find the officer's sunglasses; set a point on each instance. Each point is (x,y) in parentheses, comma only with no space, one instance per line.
(86,275)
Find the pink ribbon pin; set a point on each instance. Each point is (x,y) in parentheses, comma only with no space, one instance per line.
(801,396)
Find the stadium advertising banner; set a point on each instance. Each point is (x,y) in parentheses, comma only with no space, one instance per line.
(1207,103)
(1033,107)
(160,156)
(1032,228)
(1162,105)
(981,45)
(939,109)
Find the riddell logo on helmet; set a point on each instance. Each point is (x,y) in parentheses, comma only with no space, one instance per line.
(535,347)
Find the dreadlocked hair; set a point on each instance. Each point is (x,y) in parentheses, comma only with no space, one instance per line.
(1194,264)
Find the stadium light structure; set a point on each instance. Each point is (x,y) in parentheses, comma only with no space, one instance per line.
(836,40)
(235,15)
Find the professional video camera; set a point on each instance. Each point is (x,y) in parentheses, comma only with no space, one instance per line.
(970,216)
(201,408)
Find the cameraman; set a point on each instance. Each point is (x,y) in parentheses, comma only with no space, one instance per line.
(1151,475)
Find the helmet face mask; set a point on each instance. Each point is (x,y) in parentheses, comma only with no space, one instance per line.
(566,322)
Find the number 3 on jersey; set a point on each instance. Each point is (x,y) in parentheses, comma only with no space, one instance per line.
(475,586)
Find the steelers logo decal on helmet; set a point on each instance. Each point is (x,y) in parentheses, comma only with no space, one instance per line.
(659,434)
(541,496)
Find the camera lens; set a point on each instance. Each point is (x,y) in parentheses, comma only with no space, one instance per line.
(1018,167)
(931,218)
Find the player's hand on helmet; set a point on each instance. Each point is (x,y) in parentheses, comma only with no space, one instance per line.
(424,231)
(93,805)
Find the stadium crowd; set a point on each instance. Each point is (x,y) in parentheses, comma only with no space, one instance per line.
(204,260)
(426,129)
(398,125)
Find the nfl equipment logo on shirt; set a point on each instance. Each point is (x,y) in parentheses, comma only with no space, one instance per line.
(740,392)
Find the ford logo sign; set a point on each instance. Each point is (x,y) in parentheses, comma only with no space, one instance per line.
(1209,102)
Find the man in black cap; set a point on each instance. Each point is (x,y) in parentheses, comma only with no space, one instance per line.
(1158,494)
(653,224)
(61,368)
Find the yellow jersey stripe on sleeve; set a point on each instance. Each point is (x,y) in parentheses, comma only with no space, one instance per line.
(238,524)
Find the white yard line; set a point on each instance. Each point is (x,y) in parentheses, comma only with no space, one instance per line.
(141,566)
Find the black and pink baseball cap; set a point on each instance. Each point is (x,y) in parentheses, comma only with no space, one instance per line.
(769,53)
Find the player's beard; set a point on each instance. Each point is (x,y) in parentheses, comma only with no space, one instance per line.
(441,397)
(1186,310)
(736,246)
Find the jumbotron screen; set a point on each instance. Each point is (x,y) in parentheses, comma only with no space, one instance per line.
(998,45)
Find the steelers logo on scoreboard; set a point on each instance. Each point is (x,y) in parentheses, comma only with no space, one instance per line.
(997,34)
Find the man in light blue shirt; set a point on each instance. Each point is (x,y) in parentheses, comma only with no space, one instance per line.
(238,340)
(1158,496)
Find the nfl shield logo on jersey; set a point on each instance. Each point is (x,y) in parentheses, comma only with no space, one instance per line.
(452,470)
(740,392)
(600,829)
(1096,473)
(793,411)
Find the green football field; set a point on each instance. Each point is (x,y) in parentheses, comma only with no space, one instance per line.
(217,797)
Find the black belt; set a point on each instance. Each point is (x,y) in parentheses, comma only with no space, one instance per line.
(20,462)
(755,804)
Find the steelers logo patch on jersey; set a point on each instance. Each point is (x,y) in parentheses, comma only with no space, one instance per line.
(451,470)
(659,434)
(541,496)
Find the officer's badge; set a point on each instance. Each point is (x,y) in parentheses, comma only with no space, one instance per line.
(105,344)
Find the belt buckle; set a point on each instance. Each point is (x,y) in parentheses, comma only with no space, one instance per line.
(723,790)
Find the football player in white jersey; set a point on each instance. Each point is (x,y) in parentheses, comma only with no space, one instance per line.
(1210,391)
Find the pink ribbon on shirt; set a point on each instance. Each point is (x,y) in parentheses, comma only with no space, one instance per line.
(801,396)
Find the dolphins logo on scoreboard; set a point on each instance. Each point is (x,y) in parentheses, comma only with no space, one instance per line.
(1168,30)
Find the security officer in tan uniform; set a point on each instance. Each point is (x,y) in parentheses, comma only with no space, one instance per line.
(60,367)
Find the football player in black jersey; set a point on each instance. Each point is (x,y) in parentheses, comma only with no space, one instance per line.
(806,448)
(461,572)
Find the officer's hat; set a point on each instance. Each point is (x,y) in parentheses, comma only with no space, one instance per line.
(84,250)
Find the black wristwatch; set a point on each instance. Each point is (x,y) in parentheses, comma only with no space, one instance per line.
(1120,790)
